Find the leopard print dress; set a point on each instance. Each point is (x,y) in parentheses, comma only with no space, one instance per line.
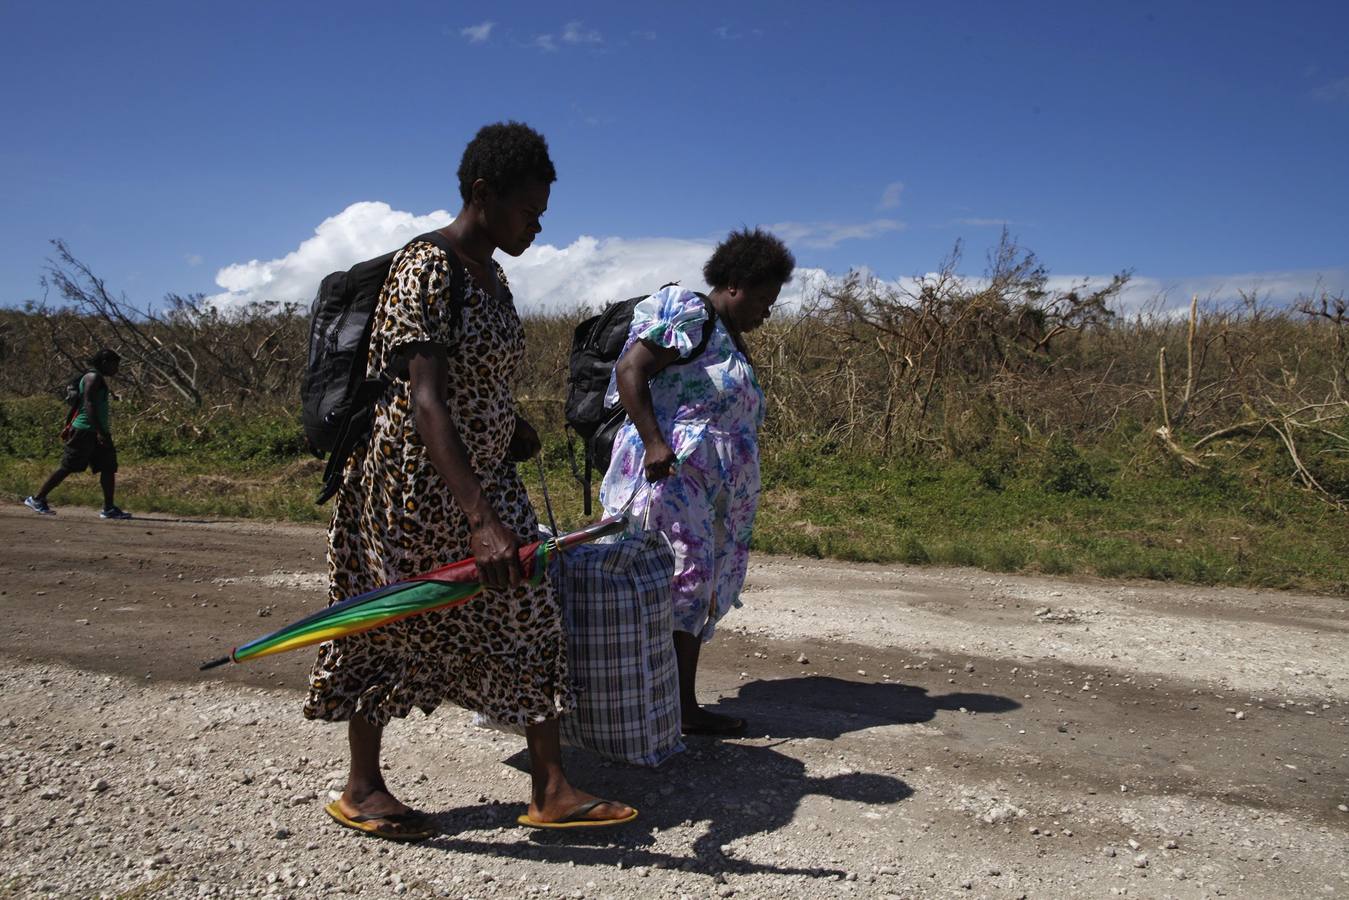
(503,653)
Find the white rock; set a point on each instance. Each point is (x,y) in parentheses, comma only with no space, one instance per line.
(1001,812)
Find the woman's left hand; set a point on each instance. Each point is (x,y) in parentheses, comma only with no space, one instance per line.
(658,461)
(524,442)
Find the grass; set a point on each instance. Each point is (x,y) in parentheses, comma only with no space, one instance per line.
(1120,522)
(1055,509)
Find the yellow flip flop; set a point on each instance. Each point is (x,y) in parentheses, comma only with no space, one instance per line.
(371,825)
(576,818)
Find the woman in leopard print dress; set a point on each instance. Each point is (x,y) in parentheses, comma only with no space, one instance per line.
(437,483)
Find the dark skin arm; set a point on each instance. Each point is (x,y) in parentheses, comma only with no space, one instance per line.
(636,368)
(524,442)
(495,547)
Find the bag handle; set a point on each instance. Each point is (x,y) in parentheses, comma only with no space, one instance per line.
(623,510)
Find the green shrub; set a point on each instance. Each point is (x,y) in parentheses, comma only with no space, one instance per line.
(1064,471)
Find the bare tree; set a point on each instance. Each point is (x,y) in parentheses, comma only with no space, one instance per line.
(189,347)
(134,330)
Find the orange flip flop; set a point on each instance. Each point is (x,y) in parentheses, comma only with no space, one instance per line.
(576,818)
(371,825)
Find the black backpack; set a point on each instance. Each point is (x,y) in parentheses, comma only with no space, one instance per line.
(596,345)
(336,398)
(73,393)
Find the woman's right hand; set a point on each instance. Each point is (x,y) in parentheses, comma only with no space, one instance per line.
(658,461)
(496,550)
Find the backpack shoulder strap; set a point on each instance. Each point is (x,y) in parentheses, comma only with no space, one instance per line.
(437,239)
(457,272)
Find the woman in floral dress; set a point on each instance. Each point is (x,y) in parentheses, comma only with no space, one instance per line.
(692,435)
(436,483)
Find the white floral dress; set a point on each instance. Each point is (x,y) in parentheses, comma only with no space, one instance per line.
(710,410)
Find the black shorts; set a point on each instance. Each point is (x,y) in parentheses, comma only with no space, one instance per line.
(85,451)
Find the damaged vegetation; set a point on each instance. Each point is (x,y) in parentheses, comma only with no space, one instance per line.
(1000,422)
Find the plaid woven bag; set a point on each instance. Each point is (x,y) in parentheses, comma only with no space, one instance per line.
(618,618)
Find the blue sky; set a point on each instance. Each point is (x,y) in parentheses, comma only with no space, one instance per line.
(246,149)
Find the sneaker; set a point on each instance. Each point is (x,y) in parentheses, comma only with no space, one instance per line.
(114,512)
(38,506)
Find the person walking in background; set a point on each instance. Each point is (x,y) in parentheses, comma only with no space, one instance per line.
(692,435)
(436,482)
(88,440)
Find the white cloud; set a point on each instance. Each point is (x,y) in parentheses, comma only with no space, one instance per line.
(194,259)
(825,235)
(587,273)
(725,33)
(479,33)
(361,231)
(576,33)
(890,196)
(544,42)
(1171,297)
(1333,91)
(644,35)
(592,271)
(984,223)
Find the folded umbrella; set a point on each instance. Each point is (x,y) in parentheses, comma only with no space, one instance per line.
(440,588)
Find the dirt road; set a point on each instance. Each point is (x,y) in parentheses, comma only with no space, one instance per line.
(916,733)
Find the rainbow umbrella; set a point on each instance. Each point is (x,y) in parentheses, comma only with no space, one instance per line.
(440,588)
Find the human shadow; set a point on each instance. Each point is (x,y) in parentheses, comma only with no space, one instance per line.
(818,706)
(737,789)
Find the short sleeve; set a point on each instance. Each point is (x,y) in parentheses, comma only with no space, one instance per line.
(418,308)
(673,318)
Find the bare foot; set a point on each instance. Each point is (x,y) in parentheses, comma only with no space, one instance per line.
(384,809)
(563,803)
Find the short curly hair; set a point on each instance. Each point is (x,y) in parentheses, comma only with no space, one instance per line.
(103,359)
(749,258)
(505,155)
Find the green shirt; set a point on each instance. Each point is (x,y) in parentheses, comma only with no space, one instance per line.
(82,420)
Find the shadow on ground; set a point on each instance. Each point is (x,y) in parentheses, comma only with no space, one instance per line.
(816,706)
(738,788)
